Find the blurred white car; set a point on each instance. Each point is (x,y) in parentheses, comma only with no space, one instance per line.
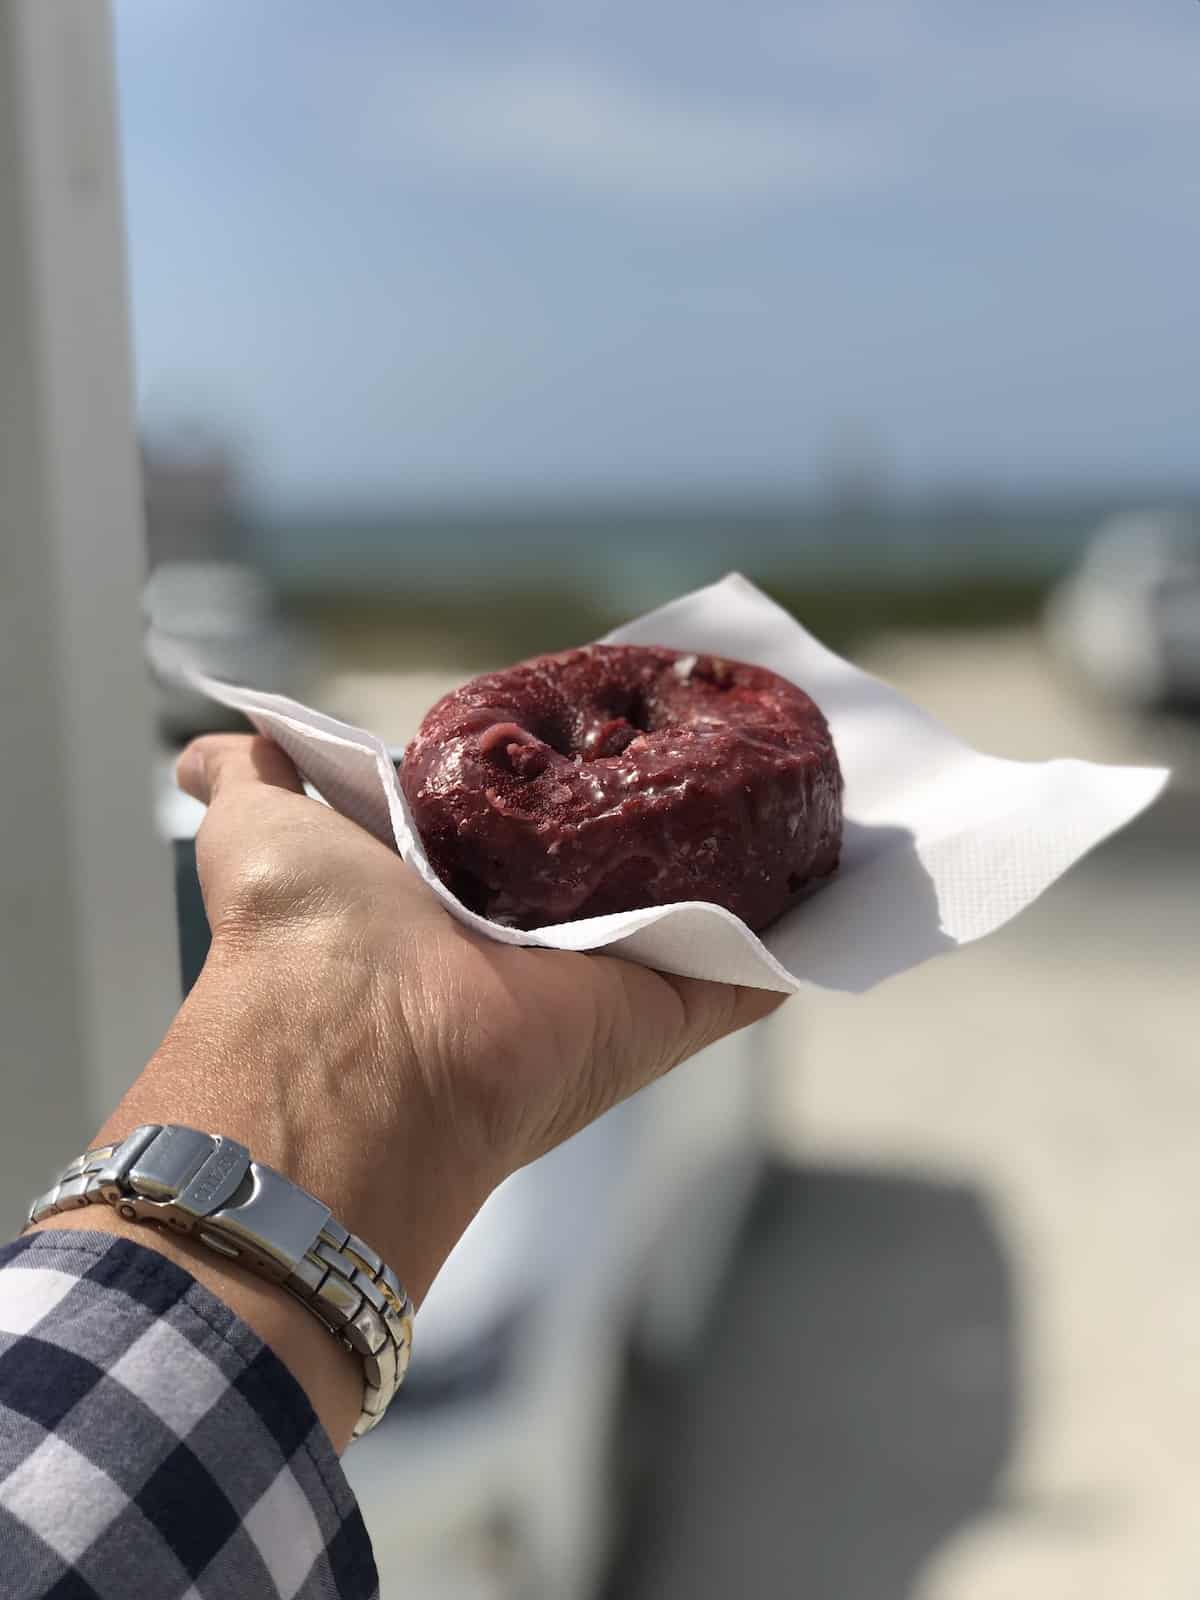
(498,1472)
(1128,618)
(225,618)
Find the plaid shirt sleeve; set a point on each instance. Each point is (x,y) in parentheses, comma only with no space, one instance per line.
(151,1444)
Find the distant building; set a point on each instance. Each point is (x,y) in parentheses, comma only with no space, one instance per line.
(192,503)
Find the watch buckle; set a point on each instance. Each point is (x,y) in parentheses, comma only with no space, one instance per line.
(181,1177)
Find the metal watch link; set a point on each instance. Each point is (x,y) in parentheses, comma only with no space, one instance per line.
(206,1186)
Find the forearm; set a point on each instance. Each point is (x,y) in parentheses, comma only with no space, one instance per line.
(259,1053)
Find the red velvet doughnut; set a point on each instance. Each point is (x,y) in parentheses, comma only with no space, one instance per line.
(621,776)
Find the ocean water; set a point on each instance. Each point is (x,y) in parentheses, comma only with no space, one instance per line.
(653,551)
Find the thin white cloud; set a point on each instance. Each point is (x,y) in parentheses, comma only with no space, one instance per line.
(1117,60)
(881,93)
(1095,105)
(569,122)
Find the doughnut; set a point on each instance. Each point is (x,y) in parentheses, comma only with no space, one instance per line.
(620,776)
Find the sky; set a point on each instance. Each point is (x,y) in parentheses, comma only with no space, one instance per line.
(479,248)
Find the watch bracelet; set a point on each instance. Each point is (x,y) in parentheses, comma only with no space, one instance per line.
(333,1273)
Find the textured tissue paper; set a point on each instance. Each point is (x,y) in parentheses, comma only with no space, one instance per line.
(942,844)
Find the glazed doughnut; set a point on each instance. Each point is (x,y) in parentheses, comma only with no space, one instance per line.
(620,776)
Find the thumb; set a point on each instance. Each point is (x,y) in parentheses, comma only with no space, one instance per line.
(252,839)
(233,760)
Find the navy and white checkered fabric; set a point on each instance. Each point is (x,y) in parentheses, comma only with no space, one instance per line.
(151,1445)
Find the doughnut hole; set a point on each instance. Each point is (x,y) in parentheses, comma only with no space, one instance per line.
(607,738)
(554,729)
(615,722)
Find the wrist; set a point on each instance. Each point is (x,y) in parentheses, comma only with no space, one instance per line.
(298,1066)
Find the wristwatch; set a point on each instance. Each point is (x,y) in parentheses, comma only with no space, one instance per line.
(206,1186)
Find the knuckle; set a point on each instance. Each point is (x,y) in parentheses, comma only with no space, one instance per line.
(257,892)
(253,890)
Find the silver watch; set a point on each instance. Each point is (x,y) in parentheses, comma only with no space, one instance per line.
(207,1186)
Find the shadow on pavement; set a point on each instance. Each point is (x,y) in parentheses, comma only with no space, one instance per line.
(854,1406)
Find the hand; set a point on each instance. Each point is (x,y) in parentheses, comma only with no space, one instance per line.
(356,1036)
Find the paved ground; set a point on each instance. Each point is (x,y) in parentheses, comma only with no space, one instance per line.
(963,1360)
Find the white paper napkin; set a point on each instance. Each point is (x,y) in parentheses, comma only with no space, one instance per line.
(942,844)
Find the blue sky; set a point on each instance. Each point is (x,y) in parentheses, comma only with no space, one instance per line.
(480,247)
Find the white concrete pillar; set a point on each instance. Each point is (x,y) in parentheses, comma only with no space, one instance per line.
(88,974)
